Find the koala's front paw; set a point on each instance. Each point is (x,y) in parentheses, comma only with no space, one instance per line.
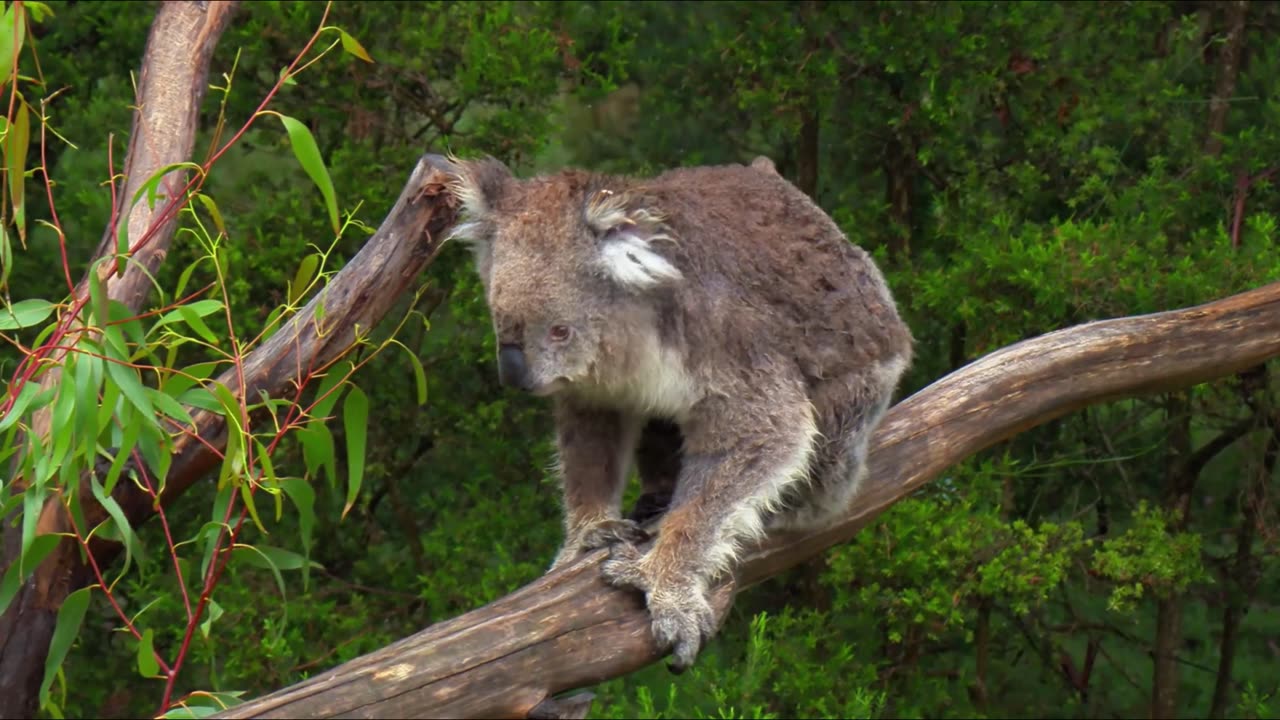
(624,568)
(682,617)
(611,532)
(604,533)
(682,620)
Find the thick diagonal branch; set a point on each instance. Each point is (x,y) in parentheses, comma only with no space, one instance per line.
(569,630)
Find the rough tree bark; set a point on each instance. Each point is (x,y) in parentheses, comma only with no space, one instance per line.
(569,630)
(171,86)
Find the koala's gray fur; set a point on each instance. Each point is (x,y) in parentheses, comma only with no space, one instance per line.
(711,323)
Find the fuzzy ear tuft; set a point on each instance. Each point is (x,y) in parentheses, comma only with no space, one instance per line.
(633,262)
(629,239)
(764,164)
(478,185)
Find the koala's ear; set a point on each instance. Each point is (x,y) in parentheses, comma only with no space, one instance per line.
(764,164)
(478,185)
(628,239)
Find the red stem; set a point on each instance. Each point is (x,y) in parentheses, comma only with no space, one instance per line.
(168,536)
(102,583)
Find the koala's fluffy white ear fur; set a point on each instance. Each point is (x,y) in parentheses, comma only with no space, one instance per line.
(627,242)
(477,184)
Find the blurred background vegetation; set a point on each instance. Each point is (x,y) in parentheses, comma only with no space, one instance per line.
(1015,167)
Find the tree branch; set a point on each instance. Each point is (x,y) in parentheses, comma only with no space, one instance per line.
(569,630)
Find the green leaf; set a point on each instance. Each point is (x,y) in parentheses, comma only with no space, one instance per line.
(308,154)
(25,396)
(302,278)
(16,141)
(191,712)
(205,704)
(170,407)
(114,340)
(246,494)
(35,554)
(32,503)
(6,256)
(212,207)
(131,546)
(211,531)
(153,445)
(304,498)
(97,295)
(193,319)
(12,33)
(254,556)
(65,630)
(203,398)
(176,383)
(214,612)
(147,665)
(269,557)
(152,185)
(353,47)
(61,429)
(149,188)
(25,313)
(325,399)
(201,308)
(419,375)
(126,378)
(317,450)
(39,11)
(185,276)
(88,379)
(355,420)
(124,449)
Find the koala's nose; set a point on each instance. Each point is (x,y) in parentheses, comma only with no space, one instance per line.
(512,370)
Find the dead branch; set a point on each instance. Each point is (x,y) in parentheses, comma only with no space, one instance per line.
(569,630)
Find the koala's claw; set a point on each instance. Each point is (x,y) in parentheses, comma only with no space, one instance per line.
(682,618)
(682,622)
(612,532)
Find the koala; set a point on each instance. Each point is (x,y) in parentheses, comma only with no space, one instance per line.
(712,326)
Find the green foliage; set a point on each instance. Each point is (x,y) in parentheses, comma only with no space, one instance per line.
(1148,556)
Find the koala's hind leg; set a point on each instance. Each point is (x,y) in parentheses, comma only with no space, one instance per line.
(595,449)
(737,462)
(658,464)
(849,413)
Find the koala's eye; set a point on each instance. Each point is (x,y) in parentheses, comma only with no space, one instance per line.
(559,333)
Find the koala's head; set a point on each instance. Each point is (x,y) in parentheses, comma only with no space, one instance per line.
(567,262)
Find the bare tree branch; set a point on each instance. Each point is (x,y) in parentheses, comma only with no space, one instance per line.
(569,630)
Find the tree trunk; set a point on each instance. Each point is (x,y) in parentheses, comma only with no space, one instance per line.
(1244,572)
(569,630)
(1228,74)
(171,85)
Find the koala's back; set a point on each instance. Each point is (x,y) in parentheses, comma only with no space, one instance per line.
(769,273)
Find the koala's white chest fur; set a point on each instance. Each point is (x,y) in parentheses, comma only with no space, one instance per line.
(651,380)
